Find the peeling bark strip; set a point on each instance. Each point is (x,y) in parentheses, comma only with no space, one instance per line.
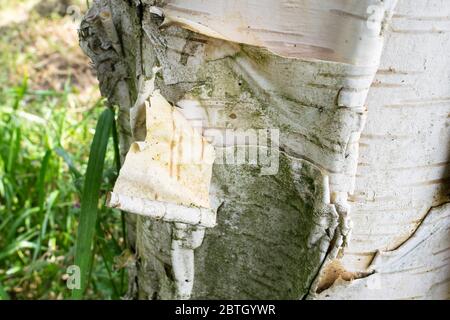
(345,31)
(277,236)
(167,177)
(165,211)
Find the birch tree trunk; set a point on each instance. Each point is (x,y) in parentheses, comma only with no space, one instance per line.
(289,81)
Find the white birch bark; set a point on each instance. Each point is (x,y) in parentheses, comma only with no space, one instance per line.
(304,69)
(400,207)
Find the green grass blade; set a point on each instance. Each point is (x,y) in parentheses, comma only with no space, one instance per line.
(68,160)
(14,149)
(3,294)
(41,180)
(20,93)
(16,246)
(122,214)
(116,147)
(50,202)
(12,228)
(40,185)
(90,197)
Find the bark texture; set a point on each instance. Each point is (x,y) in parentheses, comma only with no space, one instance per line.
(282,235)
(400,205)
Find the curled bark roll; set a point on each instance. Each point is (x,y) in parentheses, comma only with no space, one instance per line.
(166,211)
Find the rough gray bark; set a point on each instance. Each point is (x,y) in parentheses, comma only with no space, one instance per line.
(277,235)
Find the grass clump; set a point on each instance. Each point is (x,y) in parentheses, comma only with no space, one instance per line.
(49,108)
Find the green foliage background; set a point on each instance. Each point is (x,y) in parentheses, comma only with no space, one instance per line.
(49,106)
